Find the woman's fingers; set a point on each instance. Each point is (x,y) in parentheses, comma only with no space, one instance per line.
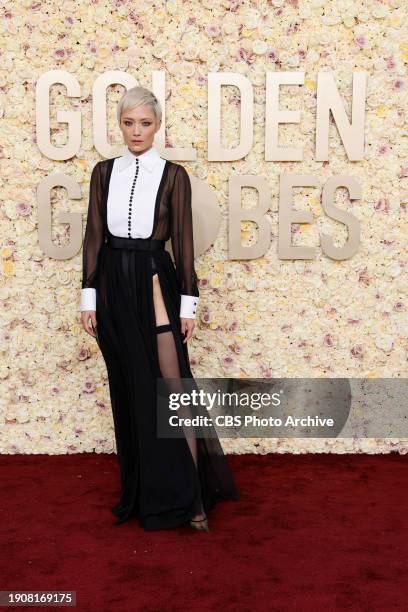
(187,327)
(88,326)
(94,323)
(89,322)
(189,332)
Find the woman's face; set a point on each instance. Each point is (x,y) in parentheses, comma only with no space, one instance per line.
(138,127)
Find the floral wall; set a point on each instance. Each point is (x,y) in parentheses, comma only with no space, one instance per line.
(260,318)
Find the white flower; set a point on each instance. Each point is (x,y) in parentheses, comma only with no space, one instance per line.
(259,47)
(384,342)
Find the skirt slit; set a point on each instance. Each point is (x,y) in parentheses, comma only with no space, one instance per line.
(162,483)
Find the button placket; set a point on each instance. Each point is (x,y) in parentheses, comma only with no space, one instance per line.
(131,198)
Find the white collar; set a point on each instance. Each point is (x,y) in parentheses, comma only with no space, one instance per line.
(147,159)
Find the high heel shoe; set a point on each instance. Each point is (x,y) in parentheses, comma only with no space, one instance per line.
(200,524)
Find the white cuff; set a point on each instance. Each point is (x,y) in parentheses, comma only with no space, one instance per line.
(88,299)
(188,306)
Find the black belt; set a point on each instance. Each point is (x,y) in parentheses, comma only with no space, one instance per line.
(139,244)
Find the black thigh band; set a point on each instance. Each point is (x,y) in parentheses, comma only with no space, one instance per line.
(163,328)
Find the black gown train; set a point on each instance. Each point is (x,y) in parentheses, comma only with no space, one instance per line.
(162,483)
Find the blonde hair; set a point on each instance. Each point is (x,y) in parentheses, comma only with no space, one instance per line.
(137,96)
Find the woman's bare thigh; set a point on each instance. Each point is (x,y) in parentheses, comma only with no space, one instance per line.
(159,305)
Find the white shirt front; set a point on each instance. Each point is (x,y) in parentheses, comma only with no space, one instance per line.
(140,223)
(151,167)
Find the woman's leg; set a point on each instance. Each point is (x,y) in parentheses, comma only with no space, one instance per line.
(168,361)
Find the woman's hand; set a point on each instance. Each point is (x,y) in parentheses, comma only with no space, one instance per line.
(89,327)
(187,325)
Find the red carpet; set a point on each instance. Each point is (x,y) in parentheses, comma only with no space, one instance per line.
(311,532)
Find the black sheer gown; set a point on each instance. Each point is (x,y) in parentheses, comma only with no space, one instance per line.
(164,481)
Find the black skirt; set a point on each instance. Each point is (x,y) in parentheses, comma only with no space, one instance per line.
(161,483)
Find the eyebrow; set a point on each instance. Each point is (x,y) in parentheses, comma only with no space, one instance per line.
(143,118)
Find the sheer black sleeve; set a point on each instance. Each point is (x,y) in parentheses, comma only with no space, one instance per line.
(94,232)
(181,232)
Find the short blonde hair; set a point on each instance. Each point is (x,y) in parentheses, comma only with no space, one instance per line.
(137,96)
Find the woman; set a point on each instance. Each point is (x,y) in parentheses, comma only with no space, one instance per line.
(140,308)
